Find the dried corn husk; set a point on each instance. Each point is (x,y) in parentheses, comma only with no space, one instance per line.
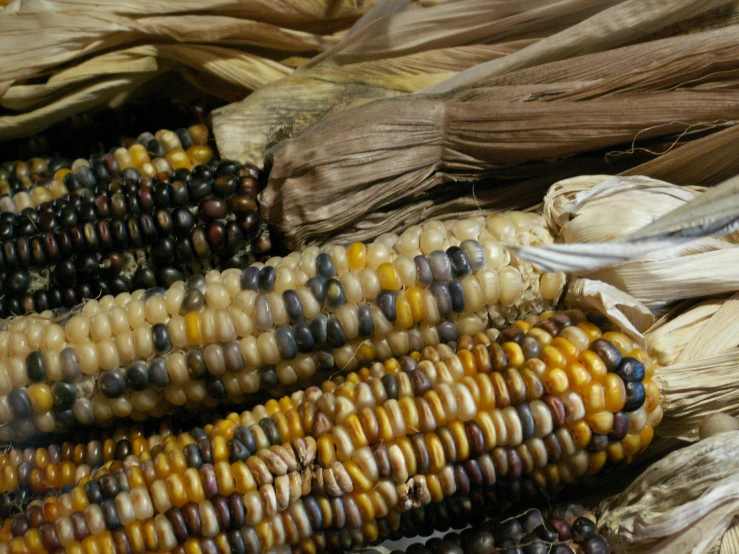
(655,271)
(623,23)
(401,149)
(99,54)
(669,336)
(681,504)
(391,55)
(416,167)
(630,315)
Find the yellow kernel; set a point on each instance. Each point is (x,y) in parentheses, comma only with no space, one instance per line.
(41,398)
(555,381)
(595,366)
(581,434)
(631,444)
(647,434)
(404,314)
(652,395)
(192,328)
(553,357)
(178,159)
(578,376)
(356,255)
(600,423)
(567,348)
(596,461)
(514,354)
(414,295)
(615,393)
(620,341)
(615,451)
(594,398)
(389,277)
(325,449)
(200,154)
(593,331)
(176,490)
(360,480)
(139,155)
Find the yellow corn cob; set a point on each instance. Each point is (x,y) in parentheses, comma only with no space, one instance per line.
(551,400)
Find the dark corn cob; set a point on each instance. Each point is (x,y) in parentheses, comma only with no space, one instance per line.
(223,336)
(548,410)
(130,236)
(30,184)
(564,529)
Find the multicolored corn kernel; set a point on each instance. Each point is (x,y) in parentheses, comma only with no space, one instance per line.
(385,440)
(128,234)
(272,325)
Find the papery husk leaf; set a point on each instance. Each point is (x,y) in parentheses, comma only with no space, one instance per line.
(79,84)
(429,32)
(123,62)
(680,504)
(232,31)
(101,92)
(706,161)
(582,258)
(295,102)
(624,311)
(730,540)
(714,212)
(669,336)
(464,22)
(581,209)
(657,282)
(720,334)
(694,389)
(610,28)
(400,148)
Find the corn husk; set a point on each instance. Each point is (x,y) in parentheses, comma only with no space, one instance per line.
(100,54)
(661,276)
(488,131)
(677,261)
(682,504)
(669,336)
(391,55)
(320,181)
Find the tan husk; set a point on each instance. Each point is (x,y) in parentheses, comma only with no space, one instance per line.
(623,23)
(244,130)
(93,54)
(439,152)
(392,55)
(706,161)
(669,336)
(581,212)
(679,505)
(385,151)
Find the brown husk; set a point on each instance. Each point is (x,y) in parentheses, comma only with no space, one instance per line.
(382,156)
(391,55)
(396,150)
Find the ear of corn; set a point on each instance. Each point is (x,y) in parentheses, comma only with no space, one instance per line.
(225,335)
(552,399)
(118,232)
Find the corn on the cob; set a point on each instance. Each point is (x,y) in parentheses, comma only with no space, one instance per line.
(552,400)
(230,334)
(565,529)
(96,246)
(30,184)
